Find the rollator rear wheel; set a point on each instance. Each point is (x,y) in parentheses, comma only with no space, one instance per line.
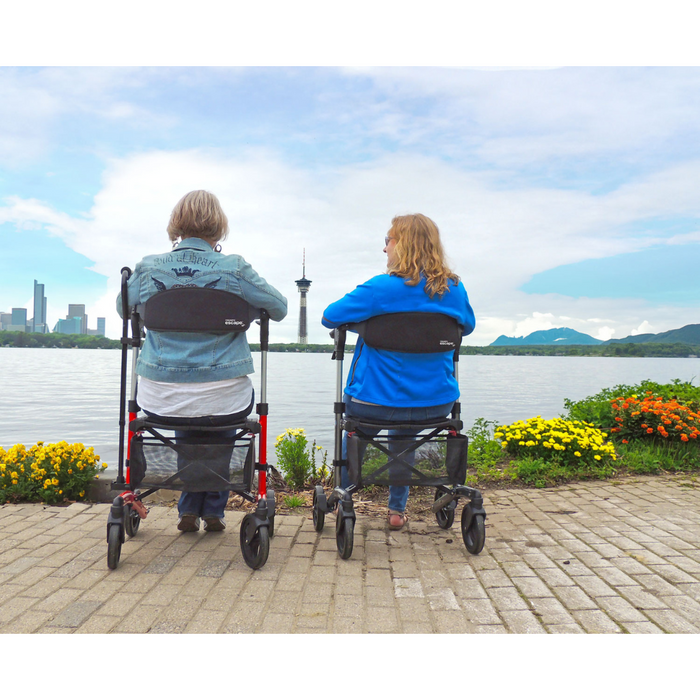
(131,521)
(445,516)
(318,514)
(256,549)
(344,536)
(114,546)
(474,536)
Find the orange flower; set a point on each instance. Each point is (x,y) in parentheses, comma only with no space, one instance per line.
(624,442)
(644,425)
(684,438)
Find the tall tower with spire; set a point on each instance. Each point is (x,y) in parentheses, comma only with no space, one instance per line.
(303,286)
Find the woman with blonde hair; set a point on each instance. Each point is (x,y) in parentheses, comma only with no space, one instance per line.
(198,378)
(402,387)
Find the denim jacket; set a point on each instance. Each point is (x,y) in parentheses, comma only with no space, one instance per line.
(198,357)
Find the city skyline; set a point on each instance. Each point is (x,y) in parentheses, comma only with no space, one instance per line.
(75,321)
(565,197)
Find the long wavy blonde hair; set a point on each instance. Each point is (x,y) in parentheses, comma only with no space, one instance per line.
(419,252)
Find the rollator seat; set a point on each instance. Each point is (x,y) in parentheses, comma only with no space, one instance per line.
(140,424)
(351,424)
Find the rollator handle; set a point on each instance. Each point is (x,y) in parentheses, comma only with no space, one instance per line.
(338,335)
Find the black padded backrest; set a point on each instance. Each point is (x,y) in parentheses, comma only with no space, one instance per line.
(197,310)
(410,332)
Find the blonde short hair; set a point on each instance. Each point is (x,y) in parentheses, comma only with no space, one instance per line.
(198,215)
(419,253)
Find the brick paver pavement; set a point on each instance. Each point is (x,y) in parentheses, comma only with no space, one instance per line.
(607,557)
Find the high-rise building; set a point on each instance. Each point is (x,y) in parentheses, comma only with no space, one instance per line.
(38,324)
(18,321)
(303,286)
(69,325)
(100,326)
(5,320)
(78,310)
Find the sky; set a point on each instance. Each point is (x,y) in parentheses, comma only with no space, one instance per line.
(565,196)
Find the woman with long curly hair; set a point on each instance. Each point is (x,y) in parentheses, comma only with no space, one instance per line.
(393,386)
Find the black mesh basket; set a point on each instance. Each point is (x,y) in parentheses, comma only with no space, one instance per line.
(189,464)
(394,461)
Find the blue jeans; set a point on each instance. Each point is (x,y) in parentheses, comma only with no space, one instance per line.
(398,495)
(204,504)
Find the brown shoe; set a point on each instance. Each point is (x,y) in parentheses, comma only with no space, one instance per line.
(188,523)
(214,524)
(396,520)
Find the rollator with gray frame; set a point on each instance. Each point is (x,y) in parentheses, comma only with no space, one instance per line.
(420,453)
(157,458)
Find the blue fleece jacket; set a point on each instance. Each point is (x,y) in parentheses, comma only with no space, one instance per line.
(392,378)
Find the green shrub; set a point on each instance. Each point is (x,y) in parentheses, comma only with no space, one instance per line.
(293,457)
(297,461)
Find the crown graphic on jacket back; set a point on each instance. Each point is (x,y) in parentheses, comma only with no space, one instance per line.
(185,271)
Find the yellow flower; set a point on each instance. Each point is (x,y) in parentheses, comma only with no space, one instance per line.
(578,454)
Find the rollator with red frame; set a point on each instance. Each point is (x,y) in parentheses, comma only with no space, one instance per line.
(416,453)
(157,458)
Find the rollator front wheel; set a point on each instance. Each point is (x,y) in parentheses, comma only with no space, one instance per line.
(271,527)
(344,536)
(318,514)
(131,521)
(474,536)
(255,547)
(114,546)
(445,516)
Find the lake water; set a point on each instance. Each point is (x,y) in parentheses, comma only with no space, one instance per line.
(73,395)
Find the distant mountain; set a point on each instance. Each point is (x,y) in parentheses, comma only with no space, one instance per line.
(554,336)
(688,334)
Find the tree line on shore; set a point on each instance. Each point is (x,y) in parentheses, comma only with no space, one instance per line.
(18,339)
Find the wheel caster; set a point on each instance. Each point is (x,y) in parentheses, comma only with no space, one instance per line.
(445,516)
(132,520)
(344,534)
(255,546)
(114,546)
(271,526)
(319,514)
(474,536)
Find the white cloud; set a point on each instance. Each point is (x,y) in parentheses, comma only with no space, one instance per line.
(605,333)
(644,327)
(496,239)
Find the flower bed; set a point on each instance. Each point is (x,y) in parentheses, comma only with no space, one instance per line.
(49,473)
(654,418)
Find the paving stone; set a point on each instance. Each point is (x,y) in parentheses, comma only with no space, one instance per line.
(596,622)
(619,609)
(672,622)
(75,614)
(507,598)
(382,620)
(522,622)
